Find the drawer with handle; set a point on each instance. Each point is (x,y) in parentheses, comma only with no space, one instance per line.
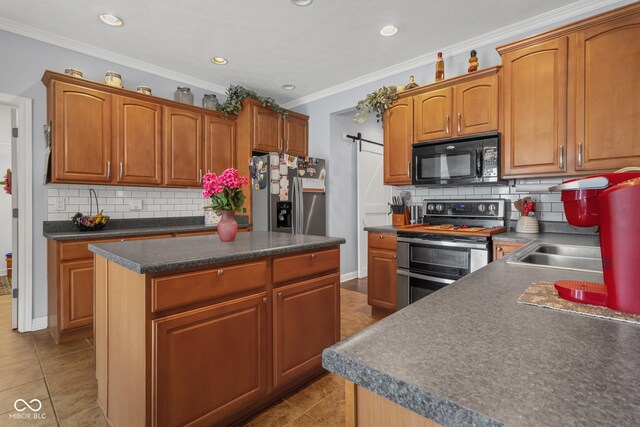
(188,288)
(383,241)
(309,264)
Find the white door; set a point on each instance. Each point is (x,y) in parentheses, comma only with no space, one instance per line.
(373,198)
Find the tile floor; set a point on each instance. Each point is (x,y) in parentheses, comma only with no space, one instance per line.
(61,377)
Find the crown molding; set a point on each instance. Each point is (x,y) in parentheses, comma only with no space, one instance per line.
(107,55)
(551,17)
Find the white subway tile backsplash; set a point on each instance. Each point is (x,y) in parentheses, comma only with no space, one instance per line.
(548,205)
(114,201)
(551,216)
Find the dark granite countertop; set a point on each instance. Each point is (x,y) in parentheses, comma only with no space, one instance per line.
(156,255)
(65,230)
(382,229)
(470,354)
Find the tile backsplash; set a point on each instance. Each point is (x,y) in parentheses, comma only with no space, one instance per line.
(548,205)
(116,201)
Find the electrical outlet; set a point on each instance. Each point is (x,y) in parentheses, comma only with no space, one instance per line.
(60,204)
(135,204)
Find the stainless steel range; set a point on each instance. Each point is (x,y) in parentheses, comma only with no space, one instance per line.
(453,241)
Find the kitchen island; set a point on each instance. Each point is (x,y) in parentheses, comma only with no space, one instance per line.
(471,354)
(195,331)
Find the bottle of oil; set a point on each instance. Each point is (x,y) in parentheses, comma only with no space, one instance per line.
(439,68)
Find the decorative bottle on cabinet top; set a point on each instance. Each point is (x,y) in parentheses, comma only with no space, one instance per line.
(439,68)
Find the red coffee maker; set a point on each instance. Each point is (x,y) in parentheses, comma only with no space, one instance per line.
(612,203)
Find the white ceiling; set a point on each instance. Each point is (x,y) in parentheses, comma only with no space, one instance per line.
(272,42)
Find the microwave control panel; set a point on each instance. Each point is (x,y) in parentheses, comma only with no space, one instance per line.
(490,162)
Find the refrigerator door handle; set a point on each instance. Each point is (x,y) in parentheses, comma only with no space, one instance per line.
(301,206)
(294,200)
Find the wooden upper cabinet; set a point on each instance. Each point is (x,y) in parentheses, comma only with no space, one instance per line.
(296,134)
(138,141)
(608,95)
(535,109)
(211,362)
(81,134)
(267,131)
(476,106)
(398,139)
(219,144)
(433,114)
(306,321)
(182,147)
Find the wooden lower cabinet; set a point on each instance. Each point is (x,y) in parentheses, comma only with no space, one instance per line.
(213,358)
(70,272)
(76,293)
(306,320)
(381,277)
(501,249)
(210,362)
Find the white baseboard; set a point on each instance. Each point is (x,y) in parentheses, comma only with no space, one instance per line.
(348,276)
(39,323)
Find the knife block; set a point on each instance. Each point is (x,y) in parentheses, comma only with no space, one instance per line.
(401,219)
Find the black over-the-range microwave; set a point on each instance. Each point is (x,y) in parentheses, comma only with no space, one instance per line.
(457,161)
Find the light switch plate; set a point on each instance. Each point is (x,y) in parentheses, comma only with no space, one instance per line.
(135,204)
(60,204)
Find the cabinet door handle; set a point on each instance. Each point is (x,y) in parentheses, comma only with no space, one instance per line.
(561,162)
(459,120)
(281,146)
(409,168)
(580,154)
(121,171)
(381,236)
(280,295)
(499,248)
(395,257)
(220,273)
(447,125)
(200,176)
(264,300)
(108,169)
(313,256)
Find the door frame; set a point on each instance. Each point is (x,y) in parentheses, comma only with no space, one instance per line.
(24,180)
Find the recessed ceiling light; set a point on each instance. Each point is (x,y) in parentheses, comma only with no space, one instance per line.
(218,60)
(302,2)
(112,20)
(389,30)
(288,87)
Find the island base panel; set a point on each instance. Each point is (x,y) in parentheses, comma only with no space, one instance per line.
(365,408)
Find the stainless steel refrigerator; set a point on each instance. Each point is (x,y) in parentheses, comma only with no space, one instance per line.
(289,194)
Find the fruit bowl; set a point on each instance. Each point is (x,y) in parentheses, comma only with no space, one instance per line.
(90,223)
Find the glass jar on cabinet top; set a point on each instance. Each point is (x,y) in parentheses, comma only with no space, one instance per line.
(111,78)
(210,101)
(184,95)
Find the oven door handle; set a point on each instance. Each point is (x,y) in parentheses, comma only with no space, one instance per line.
(424,277)
(421,242)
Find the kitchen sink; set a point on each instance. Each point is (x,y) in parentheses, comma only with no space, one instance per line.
(566,257)
(568,250)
